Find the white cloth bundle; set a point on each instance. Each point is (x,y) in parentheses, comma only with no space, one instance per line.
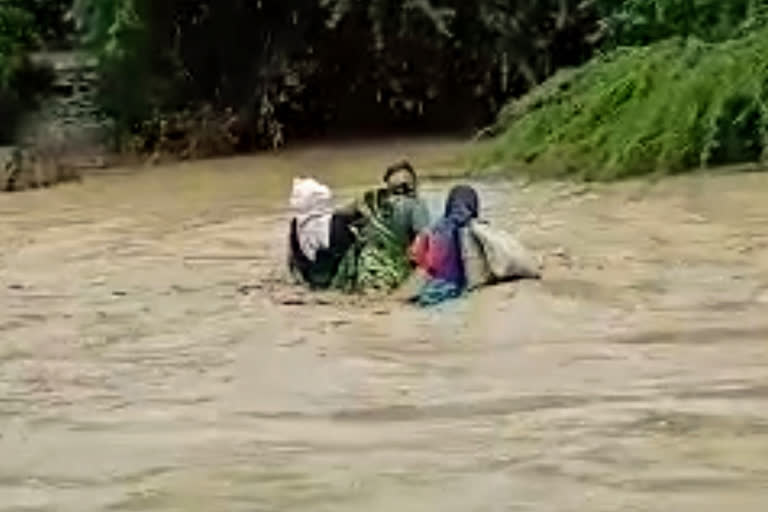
(313,210)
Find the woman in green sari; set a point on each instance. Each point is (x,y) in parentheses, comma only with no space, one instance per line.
(392,218)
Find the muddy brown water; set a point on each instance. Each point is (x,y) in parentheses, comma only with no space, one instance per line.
(151,359)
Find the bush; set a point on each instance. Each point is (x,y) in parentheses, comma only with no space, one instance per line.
(669,107)
(21,82)
(312,66)
(22,85)
(641,22)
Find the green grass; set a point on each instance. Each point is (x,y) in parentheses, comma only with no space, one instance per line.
(666,108)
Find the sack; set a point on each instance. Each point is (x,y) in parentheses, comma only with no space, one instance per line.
(505,255)
(476,268)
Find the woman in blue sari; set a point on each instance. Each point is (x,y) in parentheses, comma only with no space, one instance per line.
(437,252)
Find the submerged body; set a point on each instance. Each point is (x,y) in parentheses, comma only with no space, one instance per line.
(393,218)
(462,252)
(319,273)
(438,253)
(319,237)
(359,248)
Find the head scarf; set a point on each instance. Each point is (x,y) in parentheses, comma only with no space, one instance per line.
(439,251)
(313,211)
(462,206)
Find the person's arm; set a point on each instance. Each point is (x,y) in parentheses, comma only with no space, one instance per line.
(419,251)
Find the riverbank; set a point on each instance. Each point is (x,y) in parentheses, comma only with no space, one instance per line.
(667,108)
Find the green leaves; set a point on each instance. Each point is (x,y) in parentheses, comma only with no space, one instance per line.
(17,30)
(646,21)
(21,82)
(668,107)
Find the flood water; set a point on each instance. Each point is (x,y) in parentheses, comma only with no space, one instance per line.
(151,359)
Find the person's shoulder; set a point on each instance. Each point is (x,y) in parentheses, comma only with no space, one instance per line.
(418,203)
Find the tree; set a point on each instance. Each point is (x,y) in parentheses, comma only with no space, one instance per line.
(21,82)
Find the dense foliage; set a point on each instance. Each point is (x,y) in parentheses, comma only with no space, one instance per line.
(640,22)
(300,66)
(197,77)
(684,102)
(22,28)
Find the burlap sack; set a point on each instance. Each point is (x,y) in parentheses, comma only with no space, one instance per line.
(505,255)
(476,267)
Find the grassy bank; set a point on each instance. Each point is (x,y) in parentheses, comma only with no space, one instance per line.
(670,107)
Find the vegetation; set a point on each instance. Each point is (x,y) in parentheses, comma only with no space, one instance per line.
(689,101)
(293,68)
(641,22)
(21,83)
(604,88)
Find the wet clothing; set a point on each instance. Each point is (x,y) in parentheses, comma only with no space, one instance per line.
(320,272)
(359,249)
(409,216)
(319,237)
(404,212)
(437,291)
(379,261)
(438,253)
(311,202)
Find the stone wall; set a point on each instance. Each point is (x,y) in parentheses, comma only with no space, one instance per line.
(67,134)
(72,105)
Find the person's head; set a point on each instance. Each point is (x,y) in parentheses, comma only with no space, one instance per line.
(463,204)
(401,179)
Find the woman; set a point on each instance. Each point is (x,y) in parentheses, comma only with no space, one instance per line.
(319,237)
(408,214)
(438,253)
(393,217)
